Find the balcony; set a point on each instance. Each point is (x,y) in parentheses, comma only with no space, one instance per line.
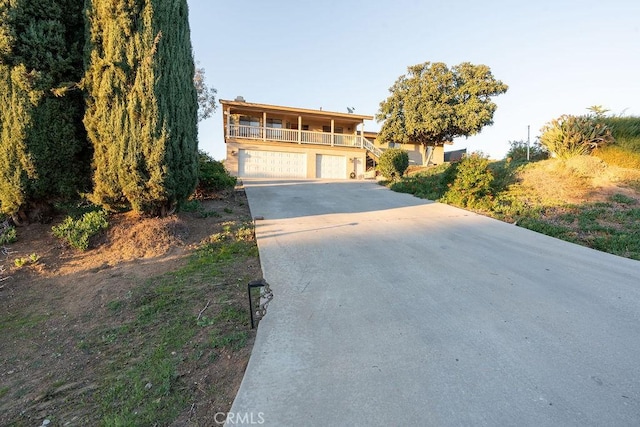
(301,137)
(294,136)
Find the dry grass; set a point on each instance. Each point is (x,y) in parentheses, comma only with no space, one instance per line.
(574,181)
(148,237)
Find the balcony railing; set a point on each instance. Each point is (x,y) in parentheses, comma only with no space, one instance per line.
(301,137)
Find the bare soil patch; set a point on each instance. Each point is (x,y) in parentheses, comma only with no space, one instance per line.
(53,312)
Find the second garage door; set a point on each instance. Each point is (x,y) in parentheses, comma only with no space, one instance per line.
(271,164)
(331,167)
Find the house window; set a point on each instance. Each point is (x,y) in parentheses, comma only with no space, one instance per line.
(249,127)
(274,123)
(249,121)
(336,129)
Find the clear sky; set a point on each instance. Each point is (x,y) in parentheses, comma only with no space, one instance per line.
(558,57)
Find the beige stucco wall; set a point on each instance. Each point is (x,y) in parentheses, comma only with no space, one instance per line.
(438,155)
(234,146)
(416,153)
(415,156)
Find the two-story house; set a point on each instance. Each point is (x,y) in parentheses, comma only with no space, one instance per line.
(270,141)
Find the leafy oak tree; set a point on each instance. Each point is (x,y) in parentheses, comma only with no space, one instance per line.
(44,154)
(142,106)
(433,104)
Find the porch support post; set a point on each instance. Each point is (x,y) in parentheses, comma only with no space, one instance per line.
(264,126)
(332,129)
(299,129)
(228,130)
(362,135)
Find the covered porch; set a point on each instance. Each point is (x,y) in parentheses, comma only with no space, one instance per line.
(263,122)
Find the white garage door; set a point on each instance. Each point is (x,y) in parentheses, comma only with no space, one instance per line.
(271,164)
(331,167)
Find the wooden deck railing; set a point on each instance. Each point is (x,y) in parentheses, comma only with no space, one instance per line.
(301,137)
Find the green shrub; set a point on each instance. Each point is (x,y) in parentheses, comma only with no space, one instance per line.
(504,174)
(393,163)
(77,232)
(212,175)
(626,131)
(7,234)
(518,151)
(472,182)
(570,136)
(429,184)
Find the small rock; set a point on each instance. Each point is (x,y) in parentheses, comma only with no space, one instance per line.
(45,423)
(148,386)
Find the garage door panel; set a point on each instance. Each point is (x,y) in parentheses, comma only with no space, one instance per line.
(331,167)
(271,164)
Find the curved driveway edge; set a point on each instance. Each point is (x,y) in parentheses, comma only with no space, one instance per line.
(391,310)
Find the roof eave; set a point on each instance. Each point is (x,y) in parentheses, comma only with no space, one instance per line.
(294,110)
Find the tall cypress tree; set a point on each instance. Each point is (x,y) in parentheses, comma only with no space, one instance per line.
(44,153)
(141,114)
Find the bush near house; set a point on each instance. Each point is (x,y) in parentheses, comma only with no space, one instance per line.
(212,176)
(393,163)
(472,182)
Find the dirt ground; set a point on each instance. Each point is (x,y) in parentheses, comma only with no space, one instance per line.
(65,293)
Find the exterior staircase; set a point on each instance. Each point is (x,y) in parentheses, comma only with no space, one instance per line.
(368,145)
(373,154)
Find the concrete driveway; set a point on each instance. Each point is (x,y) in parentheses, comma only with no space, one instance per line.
(391,310)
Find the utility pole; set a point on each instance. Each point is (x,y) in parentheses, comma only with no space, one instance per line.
(528,129)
